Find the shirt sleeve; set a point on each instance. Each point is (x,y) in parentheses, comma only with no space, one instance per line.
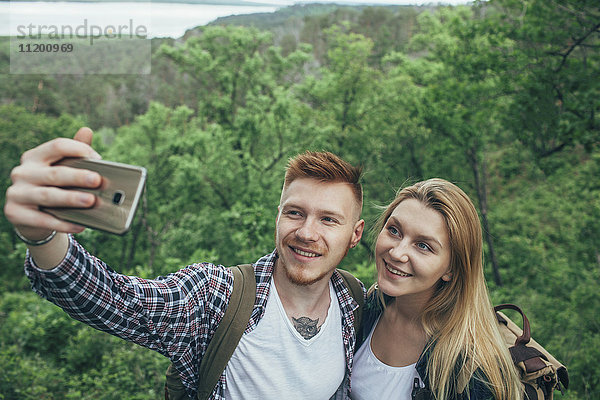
(175,315)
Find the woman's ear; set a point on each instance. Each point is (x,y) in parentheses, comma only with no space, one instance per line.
(447,277)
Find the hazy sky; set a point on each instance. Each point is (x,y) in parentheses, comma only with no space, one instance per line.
(402,2)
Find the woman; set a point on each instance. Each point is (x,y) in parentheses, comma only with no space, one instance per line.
(429,324)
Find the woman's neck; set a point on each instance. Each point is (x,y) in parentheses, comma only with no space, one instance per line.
(408,308)
(399,337)
(404,315)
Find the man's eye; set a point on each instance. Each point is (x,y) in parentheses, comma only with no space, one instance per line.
(328,219)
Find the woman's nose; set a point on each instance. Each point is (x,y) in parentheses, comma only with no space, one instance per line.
(399,252)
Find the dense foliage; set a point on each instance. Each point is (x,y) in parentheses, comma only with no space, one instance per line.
(501,97)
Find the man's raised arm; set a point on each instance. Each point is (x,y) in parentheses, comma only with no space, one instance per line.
(37,182)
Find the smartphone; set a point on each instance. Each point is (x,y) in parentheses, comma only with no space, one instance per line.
(117,197)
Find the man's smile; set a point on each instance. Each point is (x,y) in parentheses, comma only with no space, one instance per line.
(305,253)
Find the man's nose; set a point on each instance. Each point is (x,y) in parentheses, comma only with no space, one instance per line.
(307,232)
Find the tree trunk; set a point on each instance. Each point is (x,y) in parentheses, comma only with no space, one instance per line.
(149,231)
(133,246)
(414,162)
(481,188)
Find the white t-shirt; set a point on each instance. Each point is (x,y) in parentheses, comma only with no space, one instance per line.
(275,362)
(372,379)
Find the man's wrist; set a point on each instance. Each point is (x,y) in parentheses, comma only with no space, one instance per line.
(32,242)
(51,254)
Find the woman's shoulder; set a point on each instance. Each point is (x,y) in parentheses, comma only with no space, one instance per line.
(477,387)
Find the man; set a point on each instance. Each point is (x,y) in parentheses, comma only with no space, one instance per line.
(300,337)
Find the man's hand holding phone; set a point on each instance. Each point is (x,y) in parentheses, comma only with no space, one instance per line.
(40,183)
(37,182)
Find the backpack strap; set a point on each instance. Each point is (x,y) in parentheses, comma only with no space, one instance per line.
(525,337)
(356,290)
(225,339)
(230,330)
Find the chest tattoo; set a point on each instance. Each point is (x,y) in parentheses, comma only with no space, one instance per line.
(306,327)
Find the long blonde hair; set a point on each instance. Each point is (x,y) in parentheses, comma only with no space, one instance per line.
(459,317)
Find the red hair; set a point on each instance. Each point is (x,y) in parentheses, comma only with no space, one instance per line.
(325,167)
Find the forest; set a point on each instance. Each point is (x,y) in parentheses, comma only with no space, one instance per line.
(501,97)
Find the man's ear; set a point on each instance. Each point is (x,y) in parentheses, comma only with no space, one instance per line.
(357,233)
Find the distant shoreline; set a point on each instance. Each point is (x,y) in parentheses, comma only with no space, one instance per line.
(163,18)
(206,2)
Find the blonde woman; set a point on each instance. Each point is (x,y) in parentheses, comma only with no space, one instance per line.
(430,332)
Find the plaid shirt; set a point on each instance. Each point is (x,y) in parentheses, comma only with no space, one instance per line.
(175,315)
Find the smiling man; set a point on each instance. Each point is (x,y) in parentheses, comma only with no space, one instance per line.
(299,340)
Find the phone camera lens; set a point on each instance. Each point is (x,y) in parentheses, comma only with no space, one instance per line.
(118,197)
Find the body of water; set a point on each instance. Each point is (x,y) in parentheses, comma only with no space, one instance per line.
(156,19)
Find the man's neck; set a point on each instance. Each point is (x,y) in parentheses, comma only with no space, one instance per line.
(311,301)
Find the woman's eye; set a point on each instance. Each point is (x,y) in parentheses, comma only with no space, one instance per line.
(393,230)
(423,246)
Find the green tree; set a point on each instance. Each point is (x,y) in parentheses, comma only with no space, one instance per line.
(463,97)
(554,71)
